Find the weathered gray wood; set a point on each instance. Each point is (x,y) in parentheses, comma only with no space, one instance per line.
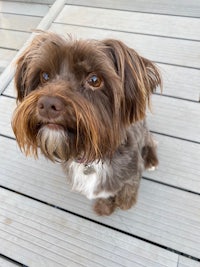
(45,23)
(6,263)
(10,90)
(47,2)
(180,82)
(186,262)
(6,109)
(152,24)
(178,7)
(18,22)
(164,215)
(45,236)
(163,50)
(178,163)
(23,8)
(175,117)
(6,57)
(12,39)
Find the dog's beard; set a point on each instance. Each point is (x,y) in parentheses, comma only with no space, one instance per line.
(53,143)
(82,132)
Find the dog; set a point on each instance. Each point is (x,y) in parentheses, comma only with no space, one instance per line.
(83,103)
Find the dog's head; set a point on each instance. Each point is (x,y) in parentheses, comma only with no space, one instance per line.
(76,98)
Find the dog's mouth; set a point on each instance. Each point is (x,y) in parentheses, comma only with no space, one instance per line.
(56,127)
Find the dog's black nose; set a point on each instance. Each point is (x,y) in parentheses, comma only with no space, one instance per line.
(50,107)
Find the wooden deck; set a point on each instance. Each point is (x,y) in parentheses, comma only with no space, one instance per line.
(43,223)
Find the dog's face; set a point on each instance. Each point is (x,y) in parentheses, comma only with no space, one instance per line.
(76,98)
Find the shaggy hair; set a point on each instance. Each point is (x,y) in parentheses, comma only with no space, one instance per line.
(83,102)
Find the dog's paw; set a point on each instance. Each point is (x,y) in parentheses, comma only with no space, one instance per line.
(152,168)
(104,207)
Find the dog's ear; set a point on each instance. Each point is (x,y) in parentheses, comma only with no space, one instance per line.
(23,76)
(139,77)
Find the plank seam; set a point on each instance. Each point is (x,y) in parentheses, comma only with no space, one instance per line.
(176,137)
(134,11)
(169,185)
(24,15)
(12,260)
(177,65)
(178,97)
(104,225)
(6,48)
(14,30)
(139,33)
(8,96)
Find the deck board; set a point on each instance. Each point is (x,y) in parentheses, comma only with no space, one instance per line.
(6,56)
(14,7)
(12,39)
(178,163)
(171,7)
(162,50)
(18,22)
(48,237)
(185,262)
(154,218)
(6,263)
(161,25)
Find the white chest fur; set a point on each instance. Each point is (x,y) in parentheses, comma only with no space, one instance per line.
(86,178)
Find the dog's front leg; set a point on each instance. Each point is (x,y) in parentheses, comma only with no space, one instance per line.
(127,196)
(104,206)
(124,200)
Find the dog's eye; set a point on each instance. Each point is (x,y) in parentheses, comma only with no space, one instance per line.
(45,76)
(94,80)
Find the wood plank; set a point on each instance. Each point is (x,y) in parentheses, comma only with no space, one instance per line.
(175,117)
(10,90)
(6,57)
(177,82)
(178,7)
(162,25)
(186,262)
(45,236)
(178,163)
(12,39)
(163,215)
(18,22)
(49,2)
(162,50)
(6,263)
(23,8)
(170,116)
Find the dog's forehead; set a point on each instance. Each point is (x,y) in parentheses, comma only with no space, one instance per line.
(83,56)
(68,57)
(82,51)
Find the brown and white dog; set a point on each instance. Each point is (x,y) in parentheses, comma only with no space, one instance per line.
(83,102)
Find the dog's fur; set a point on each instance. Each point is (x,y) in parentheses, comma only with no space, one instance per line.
(83,103)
